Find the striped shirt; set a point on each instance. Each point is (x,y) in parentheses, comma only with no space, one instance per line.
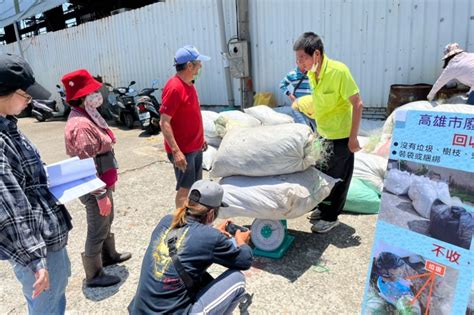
(31,221)
(461,68)
(293,77)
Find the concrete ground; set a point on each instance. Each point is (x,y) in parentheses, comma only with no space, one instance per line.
(320,274)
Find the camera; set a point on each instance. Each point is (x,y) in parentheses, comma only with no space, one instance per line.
(232,228)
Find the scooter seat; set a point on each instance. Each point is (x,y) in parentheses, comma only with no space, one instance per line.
(146,92)
(49,103)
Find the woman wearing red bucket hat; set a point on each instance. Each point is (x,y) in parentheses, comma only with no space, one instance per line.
(88,135)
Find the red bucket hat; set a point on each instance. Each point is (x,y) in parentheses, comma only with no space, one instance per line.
(79,83)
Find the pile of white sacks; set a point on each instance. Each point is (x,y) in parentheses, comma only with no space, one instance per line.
(422,191)
(370,164)
(265,164)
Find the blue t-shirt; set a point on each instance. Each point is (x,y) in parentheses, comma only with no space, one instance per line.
(160,289)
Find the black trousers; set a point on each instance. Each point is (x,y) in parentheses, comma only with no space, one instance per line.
(340,164)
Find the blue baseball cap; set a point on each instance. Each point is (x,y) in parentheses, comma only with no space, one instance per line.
(189,53)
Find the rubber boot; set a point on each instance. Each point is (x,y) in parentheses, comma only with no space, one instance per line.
(95,275)
(110,255)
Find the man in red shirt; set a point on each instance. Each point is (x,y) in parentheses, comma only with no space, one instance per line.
(181,121)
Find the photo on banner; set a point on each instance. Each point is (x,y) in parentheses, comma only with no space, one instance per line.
(400,284)
(430,200)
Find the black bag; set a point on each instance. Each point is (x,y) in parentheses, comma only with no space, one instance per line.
(454,225)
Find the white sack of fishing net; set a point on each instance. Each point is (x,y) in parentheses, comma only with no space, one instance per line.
(275,197)
(423,192)
(266,151)
(390,122)
(234,118)
(268,116)
(370,167)
(397,182)
(208,118)
(455,108)
(208,157)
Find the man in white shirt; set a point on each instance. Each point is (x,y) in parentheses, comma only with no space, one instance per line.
(458,65)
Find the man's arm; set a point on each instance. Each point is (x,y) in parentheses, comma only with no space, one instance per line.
(357,107)
(178,156)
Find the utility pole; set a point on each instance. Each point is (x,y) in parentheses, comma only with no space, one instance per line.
(15,25)
(246,85)
(225,52)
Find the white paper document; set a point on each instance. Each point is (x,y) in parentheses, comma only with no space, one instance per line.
(291,89)
(72,178)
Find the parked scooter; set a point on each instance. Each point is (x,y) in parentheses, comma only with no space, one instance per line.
(122,104)
(149,109)
(46,109)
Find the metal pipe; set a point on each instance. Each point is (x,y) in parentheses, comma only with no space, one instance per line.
(15,26)
(246,85)
(225,53)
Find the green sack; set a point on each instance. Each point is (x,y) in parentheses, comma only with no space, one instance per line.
(362,197)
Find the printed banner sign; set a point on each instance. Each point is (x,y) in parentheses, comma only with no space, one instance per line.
(423,254)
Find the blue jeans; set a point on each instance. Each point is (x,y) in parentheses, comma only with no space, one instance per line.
(298,116)
(53,300)
(470,99)
(222,295)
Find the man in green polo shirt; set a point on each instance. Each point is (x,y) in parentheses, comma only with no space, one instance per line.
(337,111)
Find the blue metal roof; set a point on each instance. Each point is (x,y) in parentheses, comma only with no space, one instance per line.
(27,8)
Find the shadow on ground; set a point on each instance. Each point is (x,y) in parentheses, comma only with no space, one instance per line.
(306,252)
(99,294)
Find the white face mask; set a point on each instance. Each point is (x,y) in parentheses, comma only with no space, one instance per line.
(314,67)
(196,76)
(93,100)
(91,103)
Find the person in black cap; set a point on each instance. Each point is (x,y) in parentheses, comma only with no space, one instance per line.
(183,246)
(35,228)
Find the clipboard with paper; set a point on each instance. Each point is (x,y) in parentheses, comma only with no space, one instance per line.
(72,178)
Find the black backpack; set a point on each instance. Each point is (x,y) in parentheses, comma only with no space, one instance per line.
(454,225)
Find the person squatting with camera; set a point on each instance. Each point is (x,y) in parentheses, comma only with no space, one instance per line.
(174,277)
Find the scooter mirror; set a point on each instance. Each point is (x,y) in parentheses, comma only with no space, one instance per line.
(57,85)
(132,83)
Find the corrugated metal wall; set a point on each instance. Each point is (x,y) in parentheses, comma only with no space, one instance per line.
(382,41)
(137,45)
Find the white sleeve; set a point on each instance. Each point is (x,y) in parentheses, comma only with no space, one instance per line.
(447,75)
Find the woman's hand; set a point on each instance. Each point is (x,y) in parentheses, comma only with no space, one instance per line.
(105,205)
(42,282)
